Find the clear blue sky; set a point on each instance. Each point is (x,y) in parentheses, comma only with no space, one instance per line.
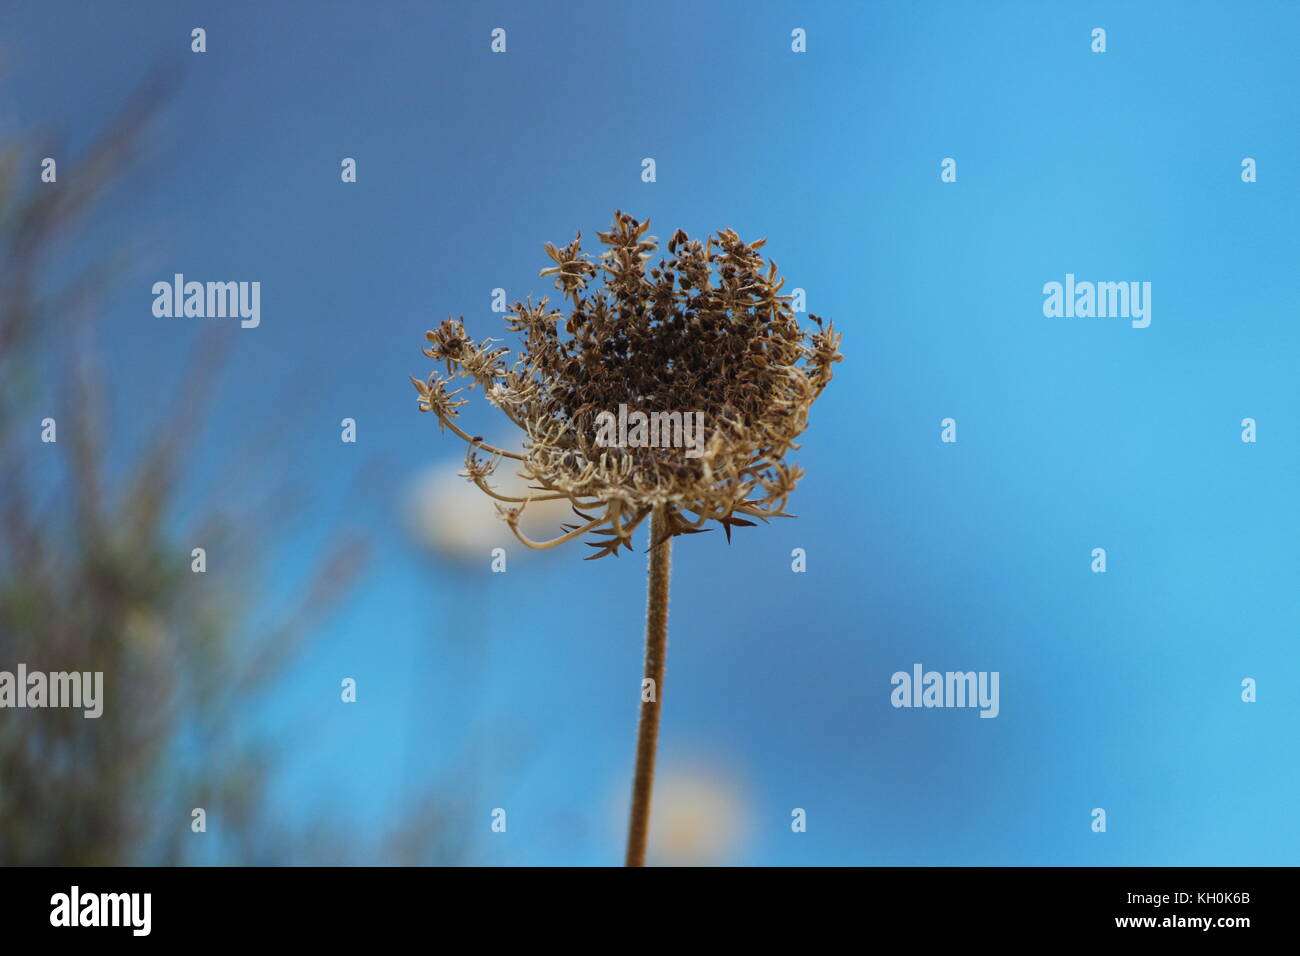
(1118,690)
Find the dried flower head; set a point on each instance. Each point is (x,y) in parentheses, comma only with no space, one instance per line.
(705,331)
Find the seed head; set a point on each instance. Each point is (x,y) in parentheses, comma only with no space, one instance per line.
(706,330)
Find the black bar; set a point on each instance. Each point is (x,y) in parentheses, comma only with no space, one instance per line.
(328,904)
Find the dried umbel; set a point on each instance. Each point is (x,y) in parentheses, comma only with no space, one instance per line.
(705,331)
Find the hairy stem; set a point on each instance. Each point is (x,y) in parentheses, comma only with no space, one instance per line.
(647,731)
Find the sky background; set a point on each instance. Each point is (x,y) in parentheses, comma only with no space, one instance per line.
(518,690)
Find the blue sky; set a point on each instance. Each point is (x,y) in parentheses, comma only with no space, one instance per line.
(1118,690)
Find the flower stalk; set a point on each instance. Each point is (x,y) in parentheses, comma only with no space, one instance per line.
(656,650)
(703,335)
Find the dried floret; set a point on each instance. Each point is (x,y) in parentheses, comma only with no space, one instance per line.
(706,331)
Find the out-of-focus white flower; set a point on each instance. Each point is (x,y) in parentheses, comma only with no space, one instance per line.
(699,818)
(451,517)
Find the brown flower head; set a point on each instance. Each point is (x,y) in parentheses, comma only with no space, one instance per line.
(705,331)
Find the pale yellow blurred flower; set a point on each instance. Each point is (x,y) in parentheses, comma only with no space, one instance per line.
(452,518)
(700,818)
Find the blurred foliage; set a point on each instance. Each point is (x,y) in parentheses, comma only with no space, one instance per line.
(95,575)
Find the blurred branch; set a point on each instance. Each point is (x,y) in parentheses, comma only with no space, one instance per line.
(94,579)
